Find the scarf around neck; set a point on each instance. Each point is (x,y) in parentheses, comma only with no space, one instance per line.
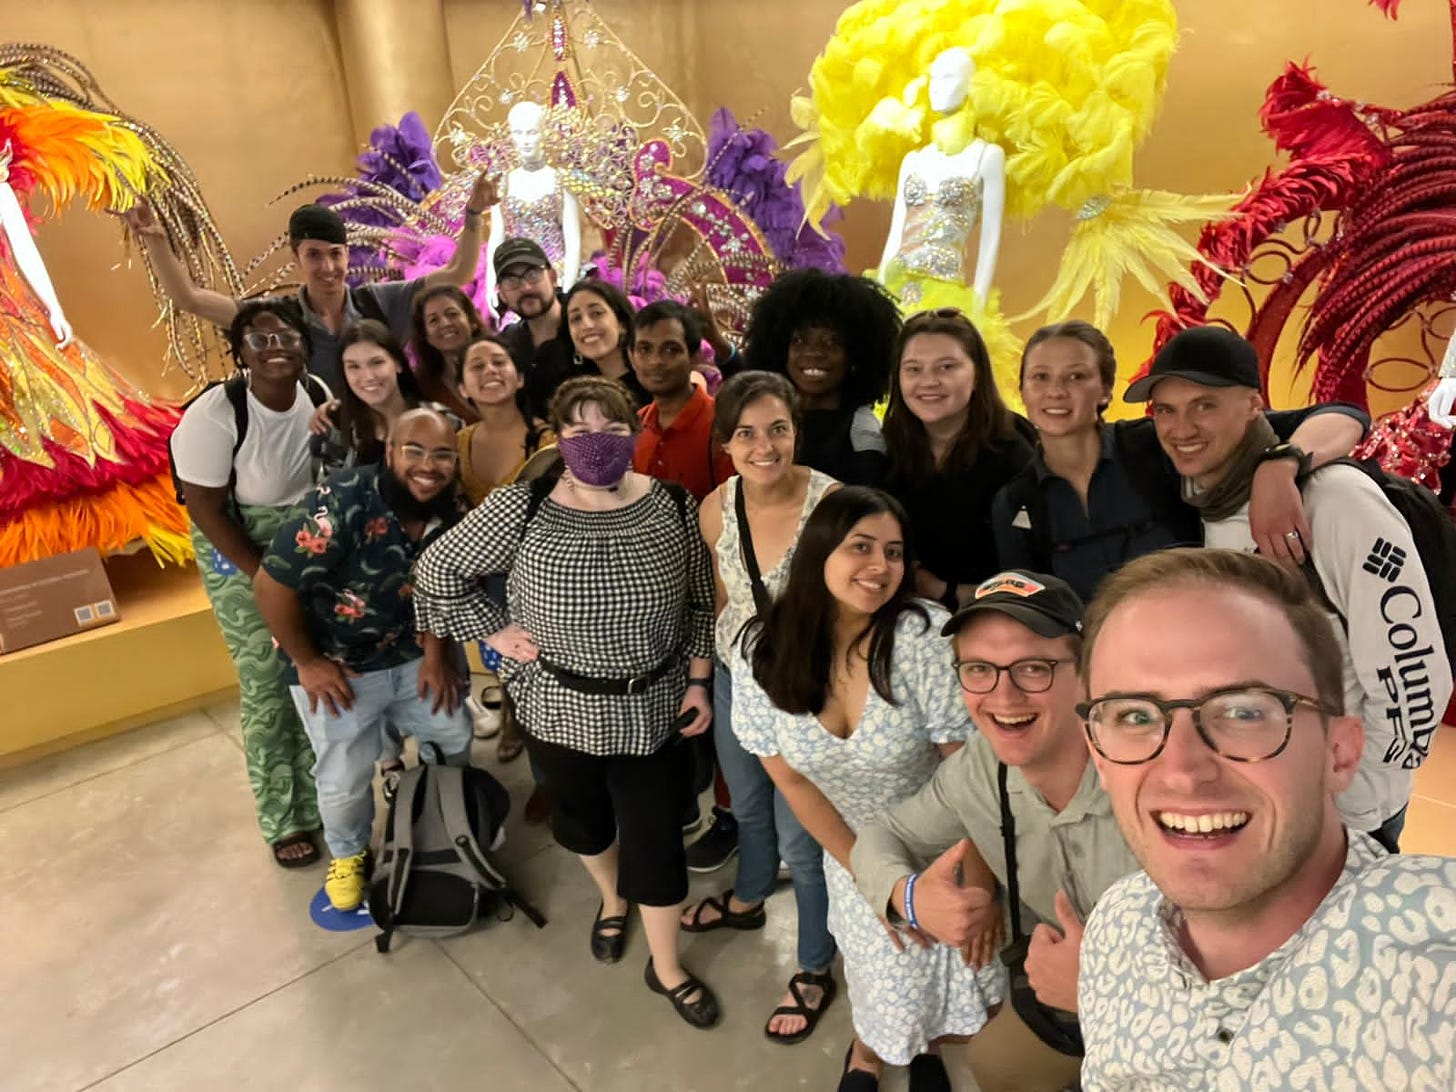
(1231,492)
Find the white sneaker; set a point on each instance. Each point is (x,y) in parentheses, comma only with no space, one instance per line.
(486,723)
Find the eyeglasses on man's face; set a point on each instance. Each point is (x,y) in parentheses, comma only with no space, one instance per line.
(443,457)
(1240,723)
(532,276)
(258,340)
(1030,676)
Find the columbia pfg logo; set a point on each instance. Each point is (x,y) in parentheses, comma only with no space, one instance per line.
(1385,560)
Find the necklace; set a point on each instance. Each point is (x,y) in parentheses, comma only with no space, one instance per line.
(571,483)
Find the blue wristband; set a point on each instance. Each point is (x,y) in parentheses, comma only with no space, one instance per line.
(910,918)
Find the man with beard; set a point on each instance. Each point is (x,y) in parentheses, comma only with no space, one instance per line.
(1266,945)
(335,588)
(527,285)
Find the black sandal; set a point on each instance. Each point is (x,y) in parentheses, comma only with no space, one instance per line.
(856,1080)
(607,947)
(726,919)
(927,1074)
(825,982)
(299,838)
(702,1013)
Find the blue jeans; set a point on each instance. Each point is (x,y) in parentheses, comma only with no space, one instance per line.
(769,831)
(346,747)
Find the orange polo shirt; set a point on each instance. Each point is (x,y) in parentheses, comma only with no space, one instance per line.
(684,452)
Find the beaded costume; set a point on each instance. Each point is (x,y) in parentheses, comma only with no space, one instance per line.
(83,452)
(538,219)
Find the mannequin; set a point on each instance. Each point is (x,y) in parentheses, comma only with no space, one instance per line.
(536,204)
(941,194)
(1441,405)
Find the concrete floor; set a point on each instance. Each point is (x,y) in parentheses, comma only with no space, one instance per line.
(149,943)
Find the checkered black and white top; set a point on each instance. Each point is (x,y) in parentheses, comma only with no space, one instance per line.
(605,594)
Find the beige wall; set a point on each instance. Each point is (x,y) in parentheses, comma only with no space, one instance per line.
(253,93)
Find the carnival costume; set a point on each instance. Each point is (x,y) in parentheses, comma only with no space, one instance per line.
(1068,90)
(83,452)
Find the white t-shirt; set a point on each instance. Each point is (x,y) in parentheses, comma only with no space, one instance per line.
(274,467)
(1396,675)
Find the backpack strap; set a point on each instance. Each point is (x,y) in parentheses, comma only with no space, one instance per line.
(679,495)
(401,835)
(449,783)
(1008,846)
(761,598)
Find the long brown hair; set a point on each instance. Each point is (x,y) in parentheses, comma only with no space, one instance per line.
(357,421)
(988,421)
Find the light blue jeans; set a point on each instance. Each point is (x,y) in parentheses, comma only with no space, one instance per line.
(768,831)
(346,747)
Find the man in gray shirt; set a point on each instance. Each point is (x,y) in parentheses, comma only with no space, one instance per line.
(1016,646)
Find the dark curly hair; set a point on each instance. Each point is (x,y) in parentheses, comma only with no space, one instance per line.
(284,307)
(857,309)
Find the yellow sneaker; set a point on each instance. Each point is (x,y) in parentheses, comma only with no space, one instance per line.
(346,880)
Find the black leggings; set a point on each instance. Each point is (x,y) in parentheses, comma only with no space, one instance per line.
(636,800)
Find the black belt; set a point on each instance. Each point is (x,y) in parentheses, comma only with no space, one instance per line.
(587,684)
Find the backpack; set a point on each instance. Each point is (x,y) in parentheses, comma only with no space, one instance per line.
(1434,535)
(436,876)
(235,389)
(1153,479)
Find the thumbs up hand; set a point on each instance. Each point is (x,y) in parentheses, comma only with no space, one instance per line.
(1053,958)
(950,913)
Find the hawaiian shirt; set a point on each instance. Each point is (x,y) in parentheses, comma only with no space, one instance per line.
(347,556)
(1363,997)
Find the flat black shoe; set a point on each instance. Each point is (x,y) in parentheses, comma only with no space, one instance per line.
(927,1074)
(856,1080)
(702,1013)
(607,946)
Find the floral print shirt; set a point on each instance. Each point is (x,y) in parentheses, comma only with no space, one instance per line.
(343,550)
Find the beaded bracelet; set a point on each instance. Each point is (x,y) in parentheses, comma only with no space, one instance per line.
(910,917)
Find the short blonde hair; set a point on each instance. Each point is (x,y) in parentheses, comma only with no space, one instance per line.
(1256,576)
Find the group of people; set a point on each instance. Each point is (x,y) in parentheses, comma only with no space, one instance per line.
(1162,827)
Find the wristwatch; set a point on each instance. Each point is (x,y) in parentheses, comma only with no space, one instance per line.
(1285,451)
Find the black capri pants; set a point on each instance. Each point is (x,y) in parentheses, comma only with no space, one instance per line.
(635,800)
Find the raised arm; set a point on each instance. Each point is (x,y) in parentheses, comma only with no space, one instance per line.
(176,282)
(1277,519)
(484,196)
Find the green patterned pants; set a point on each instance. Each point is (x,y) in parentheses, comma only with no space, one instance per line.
(277,751)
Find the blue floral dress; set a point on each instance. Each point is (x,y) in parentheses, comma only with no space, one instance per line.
(901,1000)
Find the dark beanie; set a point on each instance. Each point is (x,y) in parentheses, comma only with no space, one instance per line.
(316,222)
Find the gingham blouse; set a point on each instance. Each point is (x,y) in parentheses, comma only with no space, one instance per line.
(605,594)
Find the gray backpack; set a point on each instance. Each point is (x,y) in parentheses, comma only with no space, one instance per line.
(435,876)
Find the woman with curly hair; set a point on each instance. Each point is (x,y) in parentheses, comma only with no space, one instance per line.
(953,444)
(834,336)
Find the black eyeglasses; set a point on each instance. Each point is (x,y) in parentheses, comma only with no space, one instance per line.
(1241,723)
(1030,676)
(530,276)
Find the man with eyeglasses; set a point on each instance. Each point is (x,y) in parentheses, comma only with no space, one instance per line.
(526,282)
(1016,642)
(335,588)
(1266,945)
(1208,412)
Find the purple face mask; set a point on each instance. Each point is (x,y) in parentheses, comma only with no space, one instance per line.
(597,458)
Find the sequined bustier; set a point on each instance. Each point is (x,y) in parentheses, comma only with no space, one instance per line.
(937,226)
(539,220)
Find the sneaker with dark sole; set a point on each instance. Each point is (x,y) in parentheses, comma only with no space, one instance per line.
(717,846)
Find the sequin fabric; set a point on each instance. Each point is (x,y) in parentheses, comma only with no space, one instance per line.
(540,220)
(937,226)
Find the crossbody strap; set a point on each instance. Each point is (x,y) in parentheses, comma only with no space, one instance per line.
(1008,843)
(761,599)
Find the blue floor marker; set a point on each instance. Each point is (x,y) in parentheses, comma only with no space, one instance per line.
(338,921)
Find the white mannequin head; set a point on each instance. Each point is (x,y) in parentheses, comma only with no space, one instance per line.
(950,79)
(525,125)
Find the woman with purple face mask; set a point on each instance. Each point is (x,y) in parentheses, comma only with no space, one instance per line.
(606,639)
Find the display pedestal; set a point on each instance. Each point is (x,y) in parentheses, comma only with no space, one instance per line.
(163,658)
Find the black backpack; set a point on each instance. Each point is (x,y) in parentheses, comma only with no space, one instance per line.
(436,876)
(1432,530)
(1151,475)
(235,388)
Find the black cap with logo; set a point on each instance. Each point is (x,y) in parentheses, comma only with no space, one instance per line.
(1208,355)
(1043,604)
(519,251)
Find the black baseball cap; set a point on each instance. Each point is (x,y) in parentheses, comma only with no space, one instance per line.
(1043,604)
(316,222)
(520,251)
(1208,355)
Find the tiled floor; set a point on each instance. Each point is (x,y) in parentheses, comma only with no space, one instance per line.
(150,944)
